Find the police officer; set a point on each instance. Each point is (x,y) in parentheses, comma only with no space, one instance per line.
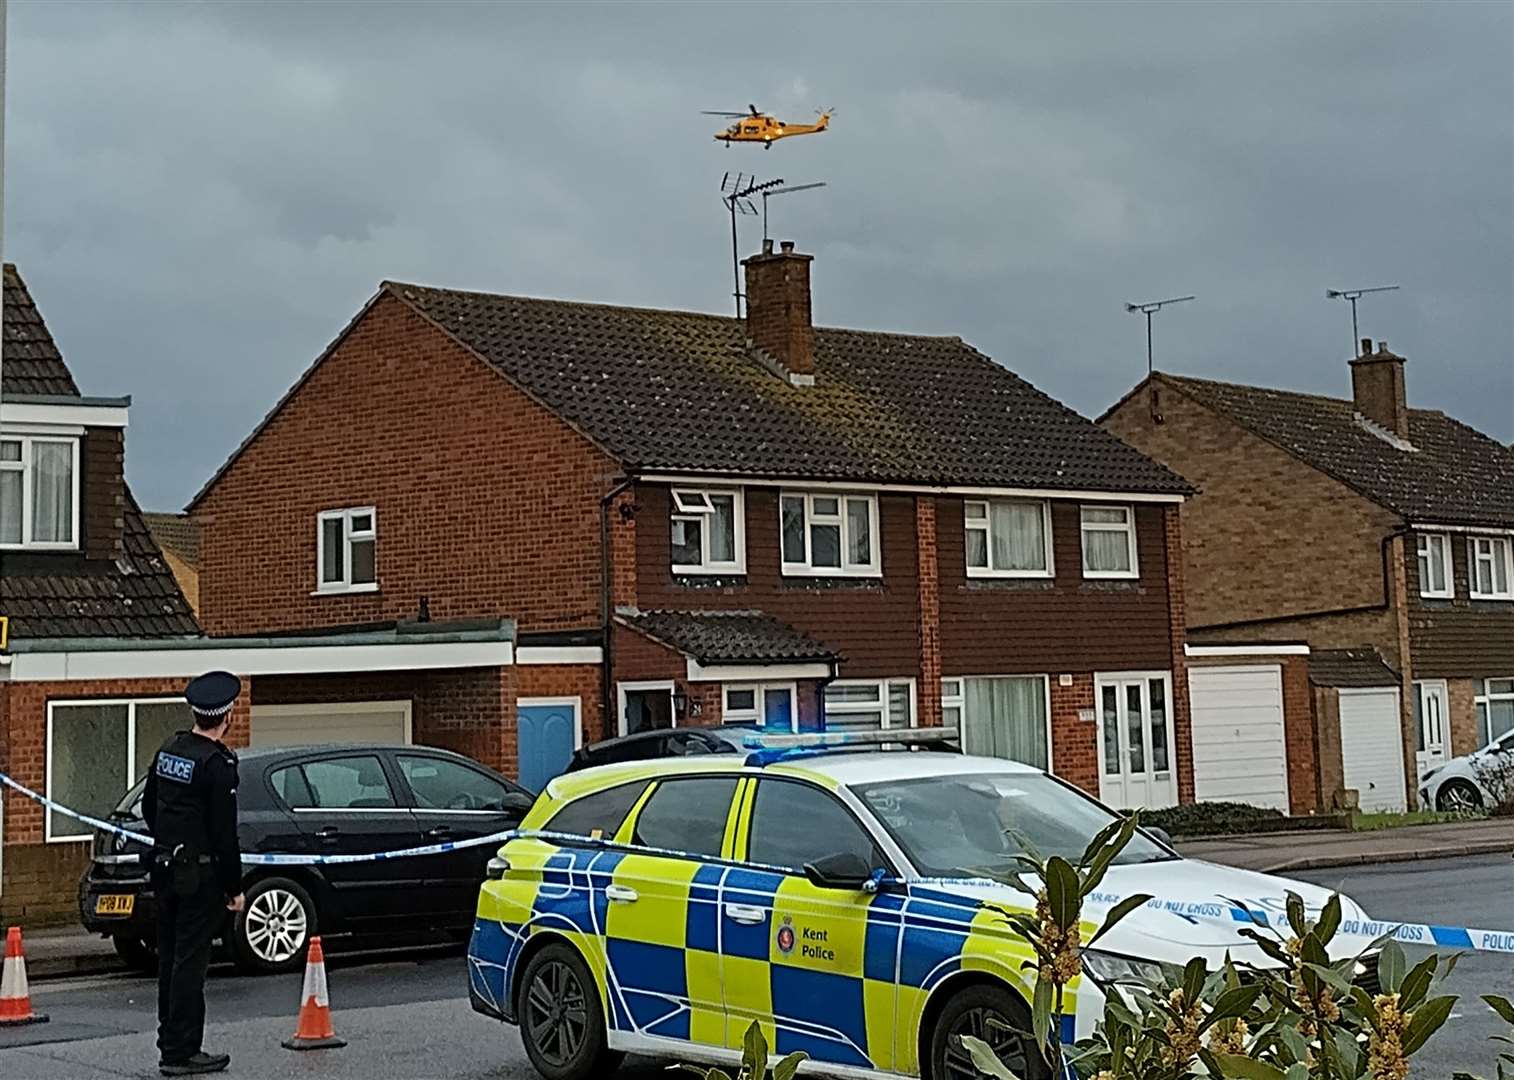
(191,809)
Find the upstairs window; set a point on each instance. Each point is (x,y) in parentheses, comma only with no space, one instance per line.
(1490,570)
(708,532)
(346,555)
(1435,566)
(1007,538)
(1109,542)
(830,535)
(39,493)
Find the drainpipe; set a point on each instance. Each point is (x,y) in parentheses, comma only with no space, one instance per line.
(606,606)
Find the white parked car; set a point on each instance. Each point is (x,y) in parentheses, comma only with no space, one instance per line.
(1460,783)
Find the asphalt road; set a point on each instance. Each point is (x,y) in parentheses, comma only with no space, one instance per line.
(406,1014)
(1476,892)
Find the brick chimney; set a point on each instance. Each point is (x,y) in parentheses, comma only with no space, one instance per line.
(1377,388)
(778,310)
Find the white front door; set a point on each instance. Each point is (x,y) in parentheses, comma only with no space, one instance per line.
(1430,707)
(1137,759)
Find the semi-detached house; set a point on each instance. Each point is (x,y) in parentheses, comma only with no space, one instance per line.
(692,519)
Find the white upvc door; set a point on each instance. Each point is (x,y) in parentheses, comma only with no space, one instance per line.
(1430,711)
(1137,751)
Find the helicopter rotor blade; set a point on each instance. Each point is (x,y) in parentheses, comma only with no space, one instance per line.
(754,110)
(720,112)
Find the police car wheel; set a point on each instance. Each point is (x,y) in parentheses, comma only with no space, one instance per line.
(274,926)
(561,1022)
(990,1013)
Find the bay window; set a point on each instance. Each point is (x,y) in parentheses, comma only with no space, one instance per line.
(39,492)
(1006,716)
(1109,542)
(1490,567)
(708,532)
(1007,538)
(96,750)
(1435,566)
(829,535)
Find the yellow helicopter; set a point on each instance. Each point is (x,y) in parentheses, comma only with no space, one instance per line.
(758,127)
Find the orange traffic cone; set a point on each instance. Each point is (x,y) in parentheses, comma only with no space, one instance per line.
(313,1032)
(15,996)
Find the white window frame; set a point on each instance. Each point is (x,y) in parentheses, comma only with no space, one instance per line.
(1475,558)
(880,706)
(958,701)
(131,753)
(1129,529)
(985,526)
(349,536)
(1483,702)
(693,504)
(28,480)
(621,693)
(757,714)
(874,568)
(1423,549)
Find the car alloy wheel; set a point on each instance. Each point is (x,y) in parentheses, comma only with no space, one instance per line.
(556,1013)
(995,1030)
(1457,795)
(276,926)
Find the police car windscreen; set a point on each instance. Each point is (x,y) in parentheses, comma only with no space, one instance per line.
(975,825)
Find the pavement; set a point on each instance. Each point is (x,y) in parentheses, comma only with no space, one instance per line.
(1319,849)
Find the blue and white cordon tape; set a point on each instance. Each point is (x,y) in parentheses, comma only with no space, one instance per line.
(1222,910)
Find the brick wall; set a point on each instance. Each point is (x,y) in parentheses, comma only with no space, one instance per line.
(929,705)
(1266,536)
(487,504)
(187,577)
(1332,774)
(40,879)
(1300,736)
(568,680)
(1074,741)
(1463,715)
(1177,601)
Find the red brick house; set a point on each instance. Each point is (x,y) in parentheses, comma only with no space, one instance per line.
(693,519)
(1395,565)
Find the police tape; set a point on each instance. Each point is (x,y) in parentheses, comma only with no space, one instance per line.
(1220,910)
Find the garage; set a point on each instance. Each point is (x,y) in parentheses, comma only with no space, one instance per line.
(1240,753)
(341,722)
(1372,747)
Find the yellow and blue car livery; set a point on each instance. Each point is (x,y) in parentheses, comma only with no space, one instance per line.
(688,949)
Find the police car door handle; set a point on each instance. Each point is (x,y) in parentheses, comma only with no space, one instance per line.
(621,894)
(744,913)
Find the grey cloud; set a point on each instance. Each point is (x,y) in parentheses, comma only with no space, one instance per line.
(201,195)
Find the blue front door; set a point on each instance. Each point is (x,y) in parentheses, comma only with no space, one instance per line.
(546,736)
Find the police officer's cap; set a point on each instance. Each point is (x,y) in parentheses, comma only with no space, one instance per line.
(212,695)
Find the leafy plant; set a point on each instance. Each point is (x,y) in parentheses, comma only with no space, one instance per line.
(1495,773)
(754,1061)
(1505,1009)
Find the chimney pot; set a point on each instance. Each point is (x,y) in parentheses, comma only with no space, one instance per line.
(767,246)
(1366,347)
(1382,346)
(788,247)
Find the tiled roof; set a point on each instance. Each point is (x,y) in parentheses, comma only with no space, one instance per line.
(1350,667)
(53,595)
(175,533)
(1454,474)
(729,637)
(65,596)
(677,391)
(32,363)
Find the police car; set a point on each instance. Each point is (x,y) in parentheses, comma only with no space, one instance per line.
(834,896)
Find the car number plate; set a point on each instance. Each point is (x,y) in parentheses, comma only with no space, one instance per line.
(114,904)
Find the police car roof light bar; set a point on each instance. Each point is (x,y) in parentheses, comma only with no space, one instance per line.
(758,740)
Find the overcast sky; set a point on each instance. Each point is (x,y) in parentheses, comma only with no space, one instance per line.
(201,196)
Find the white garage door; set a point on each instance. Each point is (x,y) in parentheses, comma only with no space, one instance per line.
(1372,748)
(1239,752)
(346,722)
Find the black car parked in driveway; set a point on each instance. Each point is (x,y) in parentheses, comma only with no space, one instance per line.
(664,742)
(329,800)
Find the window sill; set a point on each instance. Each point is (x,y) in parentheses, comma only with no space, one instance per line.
(1438,596)
(345,590)
(1492,598)
(708,571)
(979,574)
(830,573)
(51,549)
(1097,575)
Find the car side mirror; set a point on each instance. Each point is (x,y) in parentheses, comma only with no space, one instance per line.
(517,802)
(843,870)
(1159,834)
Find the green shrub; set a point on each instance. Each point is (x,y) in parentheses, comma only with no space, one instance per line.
(1201,819)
